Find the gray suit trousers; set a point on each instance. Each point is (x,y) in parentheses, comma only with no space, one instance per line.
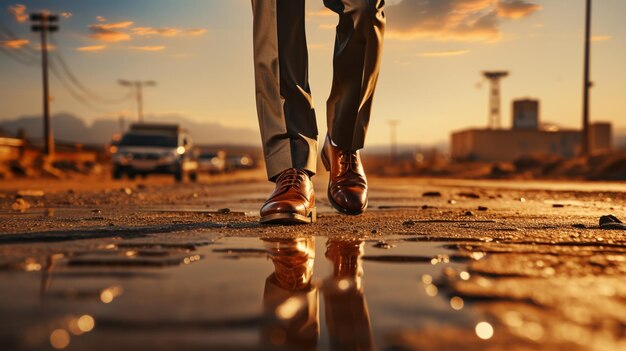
(284,104)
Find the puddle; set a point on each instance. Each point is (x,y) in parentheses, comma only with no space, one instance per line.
(234,293)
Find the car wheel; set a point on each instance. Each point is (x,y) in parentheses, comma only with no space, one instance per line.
(117,173)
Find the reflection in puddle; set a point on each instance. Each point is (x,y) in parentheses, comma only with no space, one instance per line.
(235,293)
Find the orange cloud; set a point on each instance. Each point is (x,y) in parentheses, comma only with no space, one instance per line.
(91,48)
(100,19)
(148,48)
(601,38)
(516,9)
(18,11)
(459,20)
(110,32)
(443,53)
(167,31)
(15,43)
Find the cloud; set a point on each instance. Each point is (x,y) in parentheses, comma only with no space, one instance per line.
(167,31)
(601,38)
(148,48)
(443,53)
(125,31)
(516,9)
(66,15)
(110,32)
(91,48)
(18,11)
(15,43)
(459,20)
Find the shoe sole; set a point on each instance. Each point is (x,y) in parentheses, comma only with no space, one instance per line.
(336,206)
(290,218)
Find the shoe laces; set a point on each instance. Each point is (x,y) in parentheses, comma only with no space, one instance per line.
(291,178)
(350,159)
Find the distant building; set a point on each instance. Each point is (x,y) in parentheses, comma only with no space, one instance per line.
(526,138)
(526,114)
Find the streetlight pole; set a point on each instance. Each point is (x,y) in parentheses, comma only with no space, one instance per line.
(586,137)
(138,87)
(393,124)
(44,23)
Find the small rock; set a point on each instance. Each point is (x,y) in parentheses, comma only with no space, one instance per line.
(451,202)
(408,223)
(374,231)
(611,222)
(127,191)
(469,213)
(558,205)
(96,211)
(432,194)
(482,208)
(224,210)
(425,207)
(469,195)
(579,226)
(383,245)
(20,204)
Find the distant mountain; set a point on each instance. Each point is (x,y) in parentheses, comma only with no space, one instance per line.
(70,128)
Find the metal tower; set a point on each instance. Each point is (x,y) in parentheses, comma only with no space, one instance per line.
(495,115)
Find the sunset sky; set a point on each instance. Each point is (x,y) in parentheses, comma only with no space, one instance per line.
(200,53)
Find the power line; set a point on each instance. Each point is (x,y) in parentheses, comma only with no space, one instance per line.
(58,57)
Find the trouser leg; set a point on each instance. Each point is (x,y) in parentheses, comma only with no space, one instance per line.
(356,64)
(284,104)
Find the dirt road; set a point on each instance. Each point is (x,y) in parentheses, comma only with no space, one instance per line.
(437,264)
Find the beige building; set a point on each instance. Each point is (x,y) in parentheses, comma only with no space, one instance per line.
(526,138)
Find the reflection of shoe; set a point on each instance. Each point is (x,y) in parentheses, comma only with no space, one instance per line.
(347,185)
(293,200)
(293,262)
(345,257)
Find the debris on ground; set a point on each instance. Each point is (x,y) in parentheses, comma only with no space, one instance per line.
(20,204)
(611,222)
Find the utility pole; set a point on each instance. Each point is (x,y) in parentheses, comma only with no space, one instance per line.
(586,137)
(138,87)
(44,23)
(393,125)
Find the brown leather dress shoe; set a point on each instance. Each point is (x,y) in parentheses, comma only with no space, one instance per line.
(347,185)
(293,200)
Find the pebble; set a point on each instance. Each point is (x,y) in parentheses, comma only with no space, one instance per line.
(408,223)
(469,213)
(20,204)
(482,208)
(469,195)
(558,205)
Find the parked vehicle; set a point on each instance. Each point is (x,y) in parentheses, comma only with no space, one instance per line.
(154,149)
(212,162)
(239,161)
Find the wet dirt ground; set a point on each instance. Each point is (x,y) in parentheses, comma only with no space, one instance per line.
(434,264)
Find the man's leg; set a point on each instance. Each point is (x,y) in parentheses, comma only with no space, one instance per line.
(356,64)
(285,109)
(284,105)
